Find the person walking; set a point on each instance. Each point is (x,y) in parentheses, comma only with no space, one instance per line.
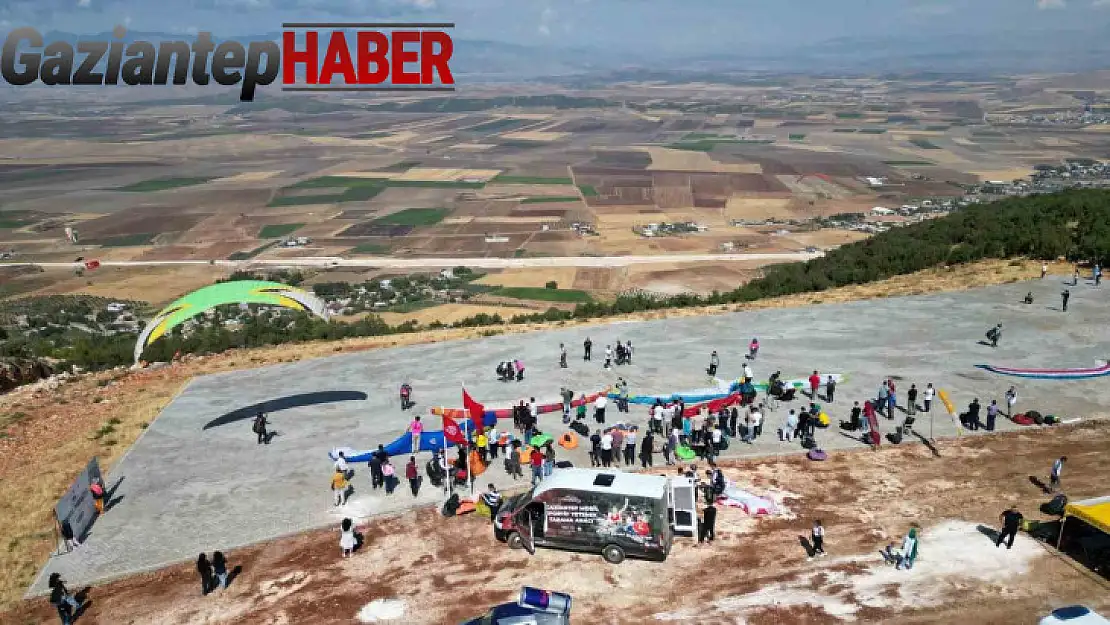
(259,428)
(927,398)
(1011,521)
(911,400)
(62,600)
(339,486)
(817,535)
(1064,297)
(830,388)
(587,347)
(562,356)
(204,570)
(219,570)
(416,428)
(412,474)
(1054,475)
(707,527)
(1011,399)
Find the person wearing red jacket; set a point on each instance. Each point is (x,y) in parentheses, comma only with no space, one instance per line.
(536,461)
(814,382)
(413,475)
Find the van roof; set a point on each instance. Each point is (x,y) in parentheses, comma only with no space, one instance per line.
(630,484)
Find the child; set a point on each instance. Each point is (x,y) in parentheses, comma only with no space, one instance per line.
(818,536)
(347,540)
(389,474)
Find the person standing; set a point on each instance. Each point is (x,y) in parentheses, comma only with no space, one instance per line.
(881,404)
(1011,399)
(548,459)
(973,422)
(746,369)
(714,362)
(599,408)
(406,394)
(647,449)
(1064,297)
(911,400)
(587,347)
(219,570)
(608,358)
(1054,476)
(854,420)
(630,448)
(416,428)
(96,488)
(1044,270)
(927,399)
(341,463)
(492,499)
(339,487)
(62,600)
(1075,277)
(818,537)
(891,399)
(814,384)
(412,474)
(389,478)
(562,356)
(607,449)
(377,458)
(708,525)
(830,388)
(70,539)
(204,570)
(1011,521)
(347,539)
(628,351)
(536,461)
(753,349)
(595,449)
(992,414)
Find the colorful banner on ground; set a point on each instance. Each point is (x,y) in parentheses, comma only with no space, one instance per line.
(1051,374)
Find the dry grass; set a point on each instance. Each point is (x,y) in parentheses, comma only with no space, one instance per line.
(54,438)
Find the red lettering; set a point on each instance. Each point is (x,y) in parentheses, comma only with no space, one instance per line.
(378,56)
(291,56)
(433,60)
(338,60)
(402,56)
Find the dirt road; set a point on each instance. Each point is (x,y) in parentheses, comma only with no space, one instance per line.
(445,570)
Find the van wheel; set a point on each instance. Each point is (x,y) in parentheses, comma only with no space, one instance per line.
(613,554)
(515,541)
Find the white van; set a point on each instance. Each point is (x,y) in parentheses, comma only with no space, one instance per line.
(1074,615)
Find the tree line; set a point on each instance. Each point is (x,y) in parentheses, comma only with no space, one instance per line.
(1074,225)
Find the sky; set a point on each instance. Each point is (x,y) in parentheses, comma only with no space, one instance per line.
(624,26)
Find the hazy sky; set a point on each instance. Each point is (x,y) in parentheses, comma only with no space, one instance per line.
(671,26)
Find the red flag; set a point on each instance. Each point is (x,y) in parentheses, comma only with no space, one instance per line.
(452,431)
(477,411)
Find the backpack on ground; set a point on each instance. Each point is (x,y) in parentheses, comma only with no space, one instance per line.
(451,506)
(808,442)
(1056,506)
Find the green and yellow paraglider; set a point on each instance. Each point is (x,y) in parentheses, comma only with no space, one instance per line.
(235,292)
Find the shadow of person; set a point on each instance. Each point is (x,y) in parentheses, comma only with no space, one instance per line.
(110,499)
(235,572)
(929,444)
(1036,481)
(989,532)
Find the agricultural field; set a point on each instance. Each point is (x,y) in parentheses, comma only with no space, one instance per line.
(567,173)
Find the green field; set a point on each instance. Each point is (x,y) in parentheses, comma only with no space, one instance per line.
(126,240)
(849,115)
(521,143)
(401,166)
(588,190)
(331,182)
(432,184)
(161,184)
(414,217)
(274,231)
(503,179)
(872,131)
(549,198)
(924,144)
(937,128)
(543,295)
(707,145)
(370,248)
(12,223)
(845,130)
(300,200)
(251,254)
(797,137)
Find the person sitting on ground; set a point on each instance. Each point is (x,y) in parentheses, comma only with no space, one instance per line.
(1029,297)
(994,335)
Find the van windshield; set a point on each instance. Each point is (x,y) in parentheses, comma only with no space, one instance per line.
(516,501)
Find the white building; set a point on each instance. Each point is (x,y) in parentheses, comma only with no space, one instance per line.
(879,210)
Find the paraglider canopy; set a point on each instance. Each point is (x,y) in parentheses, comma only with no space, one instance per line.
(235,292)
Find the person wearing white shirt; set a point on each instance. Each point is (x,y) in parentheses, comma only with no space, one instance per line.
(630,448)
(341,463)
(757,422)
(532,409)
(748,372)
(491,437)
(790,427)
(599,408)
(717,436)
(607,449)
(927,397)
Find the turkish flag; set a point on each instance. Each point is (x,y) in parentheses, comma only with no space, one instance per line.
(477,411)
(452,432)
